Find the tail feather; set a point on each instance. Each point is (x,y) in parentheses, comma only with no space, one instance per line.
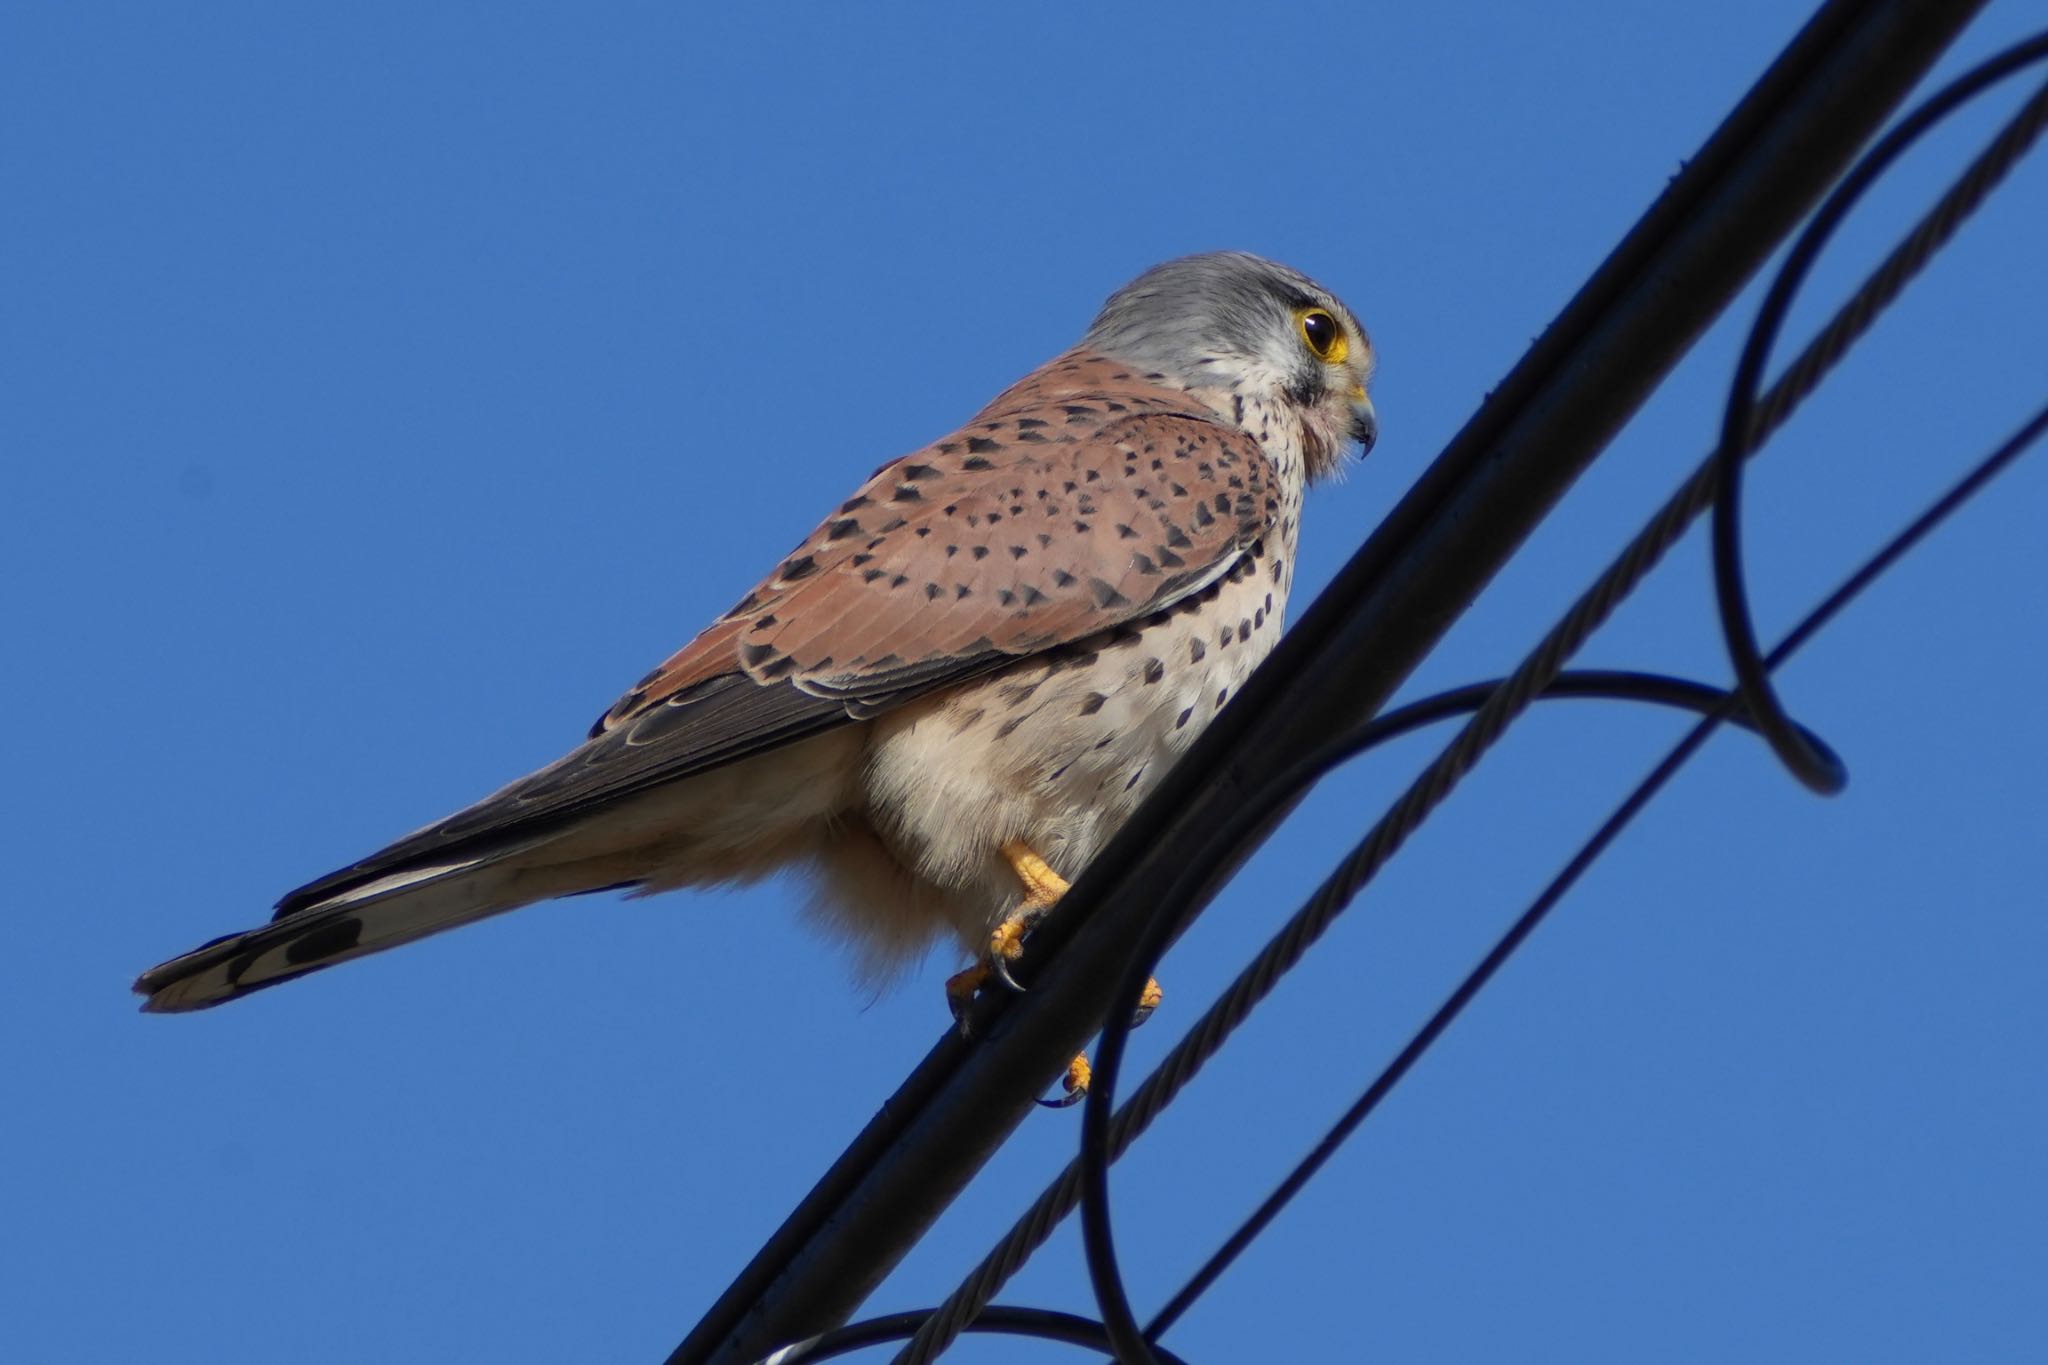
(728,824)
(365,919)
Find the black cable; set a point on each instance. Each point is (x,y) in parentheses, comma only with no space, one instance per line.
(1590,684)
(1738,630)
(1526,923)
(1584,684)
(1760,419)
(996,1319)
(1098,1240)
(1258,979)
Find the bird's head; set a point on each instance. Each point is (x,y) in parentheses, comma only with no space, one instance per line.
(1231,324)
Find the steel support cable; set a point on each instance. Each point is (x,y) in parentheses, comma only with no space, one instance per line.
(1727,710)
(1750,423)
(1740,438)
(1581,685)
(1760,170)
(1251,986)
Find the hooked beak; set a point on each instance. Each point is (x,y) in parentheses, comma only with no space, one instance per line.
(1365,423)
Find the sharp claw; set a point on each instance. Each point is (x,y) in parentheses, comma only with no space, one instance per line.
(1079,1074)
(960,989)
(999,967)
(1078,1077)
(1148,1000)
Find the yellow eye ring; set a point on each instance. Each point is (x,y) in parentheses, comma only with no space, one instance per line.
(1323,335)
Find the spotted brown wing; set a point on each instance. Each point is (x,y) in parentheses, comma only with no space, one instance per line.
(1084,497)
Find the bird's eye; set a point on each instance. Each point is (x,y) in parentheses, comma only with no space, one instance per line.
(1323,335)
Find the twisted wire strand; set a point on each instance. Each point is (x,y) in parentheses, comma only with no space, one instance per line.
(1724,710)
(1611,685)
(1740,438)
(1107,1139)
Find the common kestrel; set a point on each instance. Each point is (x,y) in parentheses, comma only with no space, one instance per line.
(953,692)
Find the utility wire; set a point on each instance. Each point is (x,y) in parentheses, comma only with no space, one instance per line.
(1103,1140)
(1810,760)
(1714,706)
(1746,186)
(1724,711)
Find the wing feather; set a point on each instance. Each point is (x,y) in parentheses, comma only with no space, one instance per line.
(1084,497)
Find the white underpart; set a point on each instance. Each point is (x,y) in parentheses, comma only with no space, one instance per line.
(1030,754)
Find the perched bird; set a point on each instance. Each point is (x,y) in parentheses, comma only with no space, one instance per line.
(954,691)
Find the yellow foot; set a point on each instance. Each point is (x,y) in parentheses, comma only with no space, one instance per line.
(1080,1073)
(1148,1000)
(1042,885)
(1043,888)
(960,989)
(1075,1087)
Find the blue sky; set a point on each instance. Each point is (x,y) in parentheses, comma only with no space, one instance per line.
(383,388)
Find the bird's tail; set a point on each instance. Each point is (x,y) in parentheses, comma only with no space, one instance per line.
(378,914)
